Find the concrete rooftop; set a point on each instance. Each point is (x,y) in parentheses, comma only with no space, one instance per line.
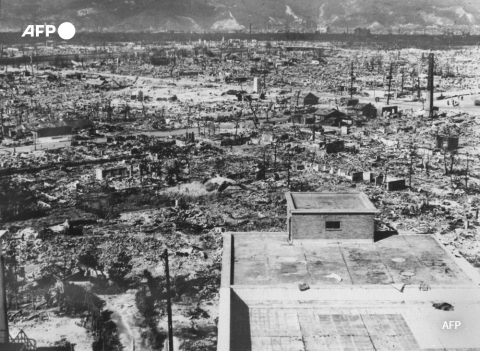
(264,259)
(309,325)
(383,301)
(331,202)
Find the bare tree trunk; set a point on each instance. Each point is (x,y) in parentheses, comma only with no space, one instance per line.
(255,118)
(452,161)
(445,161)
(466,175)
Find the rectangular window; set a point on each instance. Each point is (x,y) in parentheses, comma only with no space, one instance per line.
(332,225)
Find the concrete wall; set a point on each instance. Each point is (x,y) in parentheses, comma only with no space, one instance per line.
(312,226)
(224,319)
(396,185)
(57,139)
(367,177)
(357,177)
(257,85)
(101,174)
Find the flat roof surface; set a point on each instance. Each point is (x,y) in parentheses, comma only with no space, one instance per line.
(331,201)
(267,259)
(308,326)
(362,295)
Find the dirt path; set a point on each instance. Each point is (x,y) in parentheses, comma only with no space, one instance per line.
(124,311)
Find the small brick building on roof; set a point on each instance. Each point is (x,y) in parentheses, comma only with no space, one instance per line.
(330,216)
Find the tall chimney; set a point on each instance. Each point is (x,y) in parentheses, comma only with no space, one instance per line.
(430,85)
(3,300)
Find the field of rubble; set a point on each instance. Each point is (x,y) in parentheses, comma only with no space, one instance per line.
(200,154)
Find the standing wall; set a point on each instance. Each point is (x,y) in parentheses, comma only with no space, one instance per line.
(312,226)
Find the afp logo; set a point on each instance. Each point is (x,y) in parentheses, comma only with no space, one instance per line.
(66,30)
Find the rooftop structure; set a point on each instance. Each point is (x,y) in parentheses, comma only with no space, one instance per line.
(331,202)
(330,216)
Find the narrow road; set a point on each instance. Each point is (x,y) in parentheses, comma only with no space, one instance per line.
(59,145)
(122,308)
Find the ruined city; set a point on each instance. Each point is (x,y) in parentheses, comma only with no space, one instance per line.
(240,190)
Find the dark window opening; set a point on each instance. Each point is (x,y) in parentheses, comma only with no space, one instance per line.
(332,225)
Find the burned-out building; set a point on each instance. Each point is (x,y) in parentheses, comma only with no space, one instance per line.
(310,99)
(447,142)
(333,146)
(79,123)
(104,173)
(302,119)
(389,110)
(365,109)
(362,31)
(9,130)
(52,134)
(328,114)
(390,183)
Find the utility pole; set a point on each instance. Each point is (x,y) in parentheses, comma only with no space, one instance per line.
(265,76)
(264,164)
(275,157)
(288,169)
(389,83)
(403,78)
(169,303)
(418,85)
(430,85)
(351,81)
(410,170)
(466,174)
(313,128)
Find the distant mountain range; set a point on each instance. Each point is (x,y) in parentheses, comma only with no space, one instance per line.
(228,15)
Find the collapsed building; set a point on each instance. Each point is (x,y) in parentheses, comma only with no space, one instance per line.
(52,134)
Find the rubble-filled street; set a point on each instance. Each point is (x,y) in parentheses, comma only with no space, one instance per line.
(105,164)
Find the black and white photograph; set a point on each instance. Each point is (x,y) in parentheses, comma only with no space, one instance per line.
(252,175)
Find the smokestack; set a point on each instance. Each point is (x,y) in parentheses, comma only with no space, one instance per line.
(3,300)
(430,85)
